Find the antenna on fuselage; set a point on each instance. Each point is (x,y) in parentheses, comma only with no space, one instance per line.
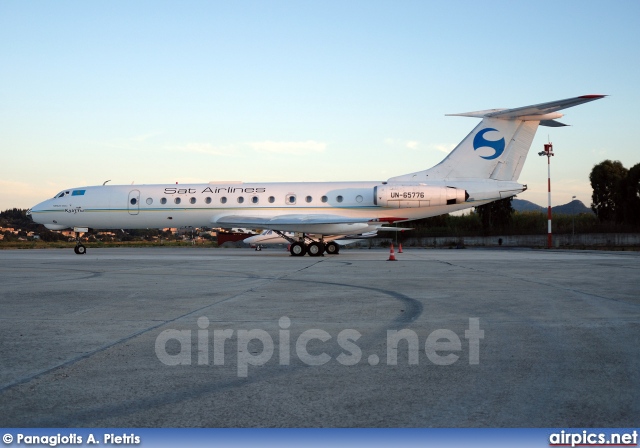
(105,182)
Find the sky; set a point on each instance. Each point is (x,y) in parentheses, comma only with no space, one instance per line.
(195,91)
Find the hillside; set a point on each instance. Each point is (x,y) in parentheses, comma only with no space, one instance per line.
(574,207)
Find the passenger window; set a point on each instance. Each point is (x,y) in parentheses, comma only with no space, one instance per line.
(176,200)
(192,200)
(240,199)
(291,199)
(149,201)
(324,199)
(163,201)
(134,201)
(254,199)
(308,199)
(271,199)
(223,200)
(339,198)
(207,200)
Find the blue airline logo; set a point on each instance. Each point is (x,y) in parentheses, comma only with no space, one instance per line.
(497,145)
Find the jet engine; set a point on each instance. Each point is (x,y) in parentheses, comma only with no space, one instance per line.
(409,196)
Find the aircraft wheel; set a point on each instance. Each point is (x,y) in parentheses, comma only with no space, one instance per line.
(332,248)
(315,249)
(80,249)
(298,249)
(258,247)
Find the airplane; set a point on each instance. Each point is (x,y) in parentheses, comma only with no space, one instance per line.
(483,167)
(332,242)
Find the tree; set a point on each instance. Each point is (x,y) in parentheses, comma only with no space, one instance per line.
(606,180)
(630,196)
(495,215)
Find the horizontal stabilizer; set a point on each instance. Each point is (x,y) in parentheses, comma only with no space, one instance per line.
(552,124)
(536,112)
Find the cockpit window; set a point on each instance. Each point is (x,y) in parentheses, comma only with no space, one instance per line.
(64,193)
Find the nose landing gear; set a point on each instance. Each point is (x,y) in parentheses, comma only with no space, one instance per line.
(79,249)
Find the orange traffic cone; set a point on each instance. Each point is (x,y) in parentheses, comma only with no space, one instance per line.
(392,255)
(400,248)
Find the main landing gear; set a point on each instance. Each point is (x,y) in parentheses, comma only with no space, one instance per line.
(305,245)
(332,248)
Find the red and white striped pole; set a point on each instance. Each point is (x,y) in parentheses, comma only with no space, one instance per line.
(548,152)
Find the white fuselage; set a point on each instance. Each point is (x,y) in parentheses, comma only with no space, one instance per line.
(200,205)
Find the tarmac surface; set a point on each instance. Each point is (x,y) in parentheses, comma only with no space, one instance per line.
(492,338)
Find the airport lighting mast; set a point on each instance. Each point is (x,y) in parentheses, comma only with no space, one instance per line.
(573,224)
(548,151)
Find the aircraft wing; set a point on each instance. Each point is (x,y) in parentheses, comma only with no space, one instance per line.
(307,223)
(293,219)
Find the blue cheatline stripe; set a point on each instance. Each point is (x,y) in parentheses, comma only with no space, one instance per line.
(179,209)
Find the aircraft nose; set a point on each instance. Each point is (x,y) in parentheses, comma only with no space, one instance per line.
(34,213)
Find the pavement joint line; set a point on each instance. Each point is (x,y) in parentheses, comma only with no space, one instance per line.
(83,417)
(87,355)
(537,282)
(72,361)
(406,318)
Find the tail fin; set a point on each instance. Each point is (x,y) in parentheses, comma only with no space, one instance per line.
(497,148)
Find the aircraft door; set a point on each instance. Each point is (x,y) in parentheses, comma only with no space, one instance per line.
(134,202)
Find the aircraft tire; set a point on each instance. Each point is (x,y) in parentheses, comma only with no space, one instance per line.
(315,249)
(298,249)
(332,248)
(80,249)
